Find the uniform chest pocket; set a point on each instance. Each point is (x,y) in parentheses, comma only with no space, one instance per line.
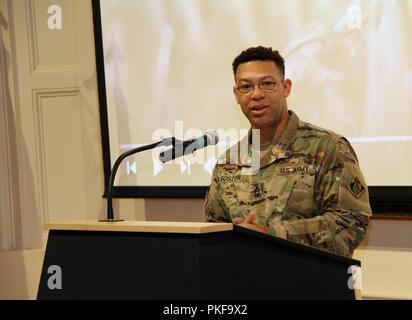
(301,198)
(248,194)
(251,191)
(264,195)
(230,194)
(270,193)
(296,196)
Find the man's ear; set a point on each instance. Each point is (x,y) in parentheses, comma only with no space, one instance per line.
(287,87)
(236,94)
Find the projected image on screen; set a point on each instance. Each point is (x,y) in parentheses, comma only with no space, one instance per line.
(168,73)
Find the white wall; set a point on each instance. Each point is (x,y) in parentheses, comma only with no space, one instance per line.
(51,159)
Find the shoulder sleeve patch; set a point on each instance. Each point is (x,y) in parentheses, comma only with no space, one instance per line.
(356,188)
(353,190)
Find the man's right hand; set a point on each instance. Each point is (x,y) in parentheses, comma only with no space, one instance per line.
(248,223)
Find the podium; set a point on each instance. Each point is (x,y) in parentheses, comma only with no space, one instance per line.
(185,261)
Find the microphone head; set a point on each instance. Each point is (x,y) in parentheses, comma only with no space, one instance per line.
(212,137)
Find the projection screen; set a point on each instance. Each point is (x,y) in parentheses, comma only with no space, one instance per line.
(167,72)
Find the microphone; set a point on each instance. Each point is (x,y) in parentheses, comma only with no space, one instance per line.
(184,148)
(110,213)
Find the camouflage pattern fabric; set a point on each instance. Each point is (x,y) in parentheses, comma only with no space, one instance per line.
(308,188)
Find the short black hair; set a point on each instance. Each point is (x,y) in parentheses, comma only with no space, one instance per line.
(260,54)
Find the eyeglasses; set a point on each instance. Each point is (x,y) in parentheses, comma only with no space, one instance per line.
(266,86)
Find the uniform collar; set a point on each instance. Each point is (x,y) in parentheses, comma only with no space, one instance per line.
(275,151)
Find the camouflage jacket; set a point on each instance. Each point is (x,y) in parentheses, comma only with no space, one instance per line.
(308,188)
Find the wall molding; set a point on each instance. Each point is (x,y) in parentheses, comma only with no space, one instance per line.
(7,209)
(32,36)
(41,171)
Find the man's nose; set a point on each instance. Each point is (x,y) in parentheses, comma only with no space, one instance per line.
(257,93)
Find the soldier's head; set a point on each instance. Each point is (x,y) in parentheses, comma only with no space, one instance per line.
(261,88)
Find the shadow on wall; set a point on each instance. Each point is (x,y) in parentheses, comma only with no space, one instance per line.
(19,216)
(24,217)
(13,277)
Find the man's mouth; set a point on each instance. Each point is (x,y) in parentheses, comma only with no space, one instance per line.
(258,110)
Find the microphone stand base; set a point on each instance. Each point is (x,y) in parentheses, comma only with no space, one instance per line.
(111,220)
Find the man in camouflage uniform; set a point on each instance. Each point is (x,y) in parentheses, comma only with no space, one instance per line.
(307,187)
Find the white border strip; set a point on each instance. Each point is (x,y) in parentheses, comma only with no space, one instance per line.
(381,139)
